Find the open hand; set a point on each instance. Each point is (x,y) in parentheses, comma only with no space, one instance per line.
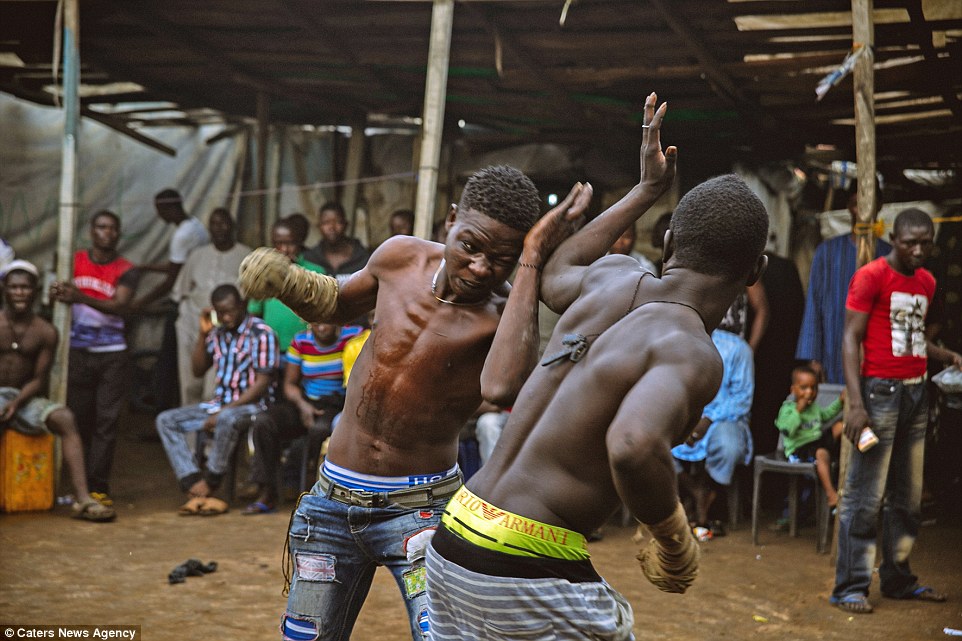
(557,225)
(657,166)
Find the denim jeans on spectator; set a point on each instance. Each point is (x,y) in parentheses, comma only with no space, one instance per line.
(335,549)
(174,425)
(888,476)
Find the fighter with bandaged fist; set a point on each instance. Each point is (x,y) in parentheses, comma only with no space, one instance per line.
(625,375)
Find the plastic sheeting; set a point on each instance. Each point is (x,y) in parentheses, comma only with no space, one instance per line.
(115,173)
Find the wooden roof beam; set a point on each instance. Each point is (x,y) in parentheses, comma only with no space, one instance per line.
(721,82)
(183,37)
(573,111)
(914,7)
(312,24)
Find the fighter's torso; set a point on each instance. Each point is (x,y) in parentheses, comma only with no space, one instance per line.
(417,379)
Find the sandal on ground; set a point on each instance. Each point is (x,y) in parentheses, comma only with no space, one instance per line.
(103,498)
(213,506)
(192,507)
(93,510)
(852,603)
(923,593)
(258,507)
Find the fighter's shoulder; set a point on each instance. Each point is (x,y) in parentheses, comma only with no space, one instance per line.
(400,251)
(609,270)
(693,356)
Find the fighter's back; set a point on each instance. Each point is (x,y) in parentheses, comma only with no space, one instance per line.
(551,462)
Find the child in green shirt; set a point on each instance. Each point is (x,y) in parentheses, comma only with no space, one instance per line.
(805,436)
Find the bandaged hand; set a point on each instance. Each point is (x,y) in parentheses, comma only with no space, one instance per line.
(267,273)
(670,560)
(262,273)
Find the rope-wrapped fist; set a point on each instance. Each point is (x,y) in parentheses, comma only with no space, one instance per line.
(267,273)
(262,273)
(670,560)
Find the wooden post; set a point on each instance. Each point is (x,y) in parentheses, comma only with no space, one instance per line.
(435,89)
(864,88)
(352,172)
(69,193)
(263,138)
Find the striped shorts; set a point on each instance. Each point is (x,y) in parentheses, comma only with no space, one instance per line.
(539,604)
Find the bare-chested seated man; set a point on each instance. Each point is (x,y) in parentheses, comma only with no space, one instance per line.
(27,345)
(626,373)
(392,461)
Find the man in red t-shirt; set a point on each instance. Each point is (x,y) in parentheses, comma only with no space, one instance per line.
(885,320)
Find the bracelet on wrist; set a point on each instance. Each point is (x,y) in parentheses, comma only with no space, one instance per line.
(537,268)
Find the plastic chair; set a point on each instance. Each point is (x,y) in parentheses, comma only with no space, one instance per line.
(776,462)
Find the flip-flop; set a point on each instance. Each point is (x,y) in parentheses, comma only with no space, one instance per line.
(94,511)
(258,507)
(192,507)
(925,593)
(213,506)
(852,603)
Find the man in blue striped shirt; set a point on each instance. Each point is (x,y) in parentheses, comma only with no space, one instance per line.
(244,351)
(820,339)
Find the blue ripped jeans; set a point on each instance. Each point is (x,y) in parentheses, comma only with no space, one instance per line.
(335,549)
(888,476)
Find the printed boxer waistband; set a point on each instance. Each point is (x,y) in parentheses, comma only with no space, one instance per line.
(492,528)
(411,497)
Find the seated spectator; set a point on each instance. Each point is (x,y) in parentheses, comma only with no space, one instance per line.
(721,439)
(287,237)
(312,394)
(244,351)
(27,346)
(337,252)
(802,423)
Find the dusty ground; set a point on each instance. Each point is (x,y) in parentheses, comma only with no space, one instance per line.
(57,570)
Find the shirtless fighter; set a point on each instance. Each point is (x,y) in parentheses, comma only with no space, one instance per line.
(392,461)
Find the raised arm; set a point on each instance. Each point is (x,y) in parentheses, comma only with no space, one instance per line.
(561,282)
(514,352)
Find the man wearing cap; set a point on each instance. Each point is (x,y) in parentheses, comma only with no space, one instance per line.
(27,345)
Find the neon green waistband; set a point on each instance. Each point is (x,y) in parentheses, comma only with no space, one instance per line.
(492,528)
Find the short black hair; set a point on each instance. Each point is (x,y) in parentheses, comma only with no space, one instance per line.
(504,194)
(803,369)
(335,206)
(299,226)
(912,217)
(720,227)
(406,214)
(223,292)
(168,197)
(107,213)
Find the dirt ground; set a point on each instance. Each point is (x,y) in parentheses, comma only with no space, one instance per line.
(56,570)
